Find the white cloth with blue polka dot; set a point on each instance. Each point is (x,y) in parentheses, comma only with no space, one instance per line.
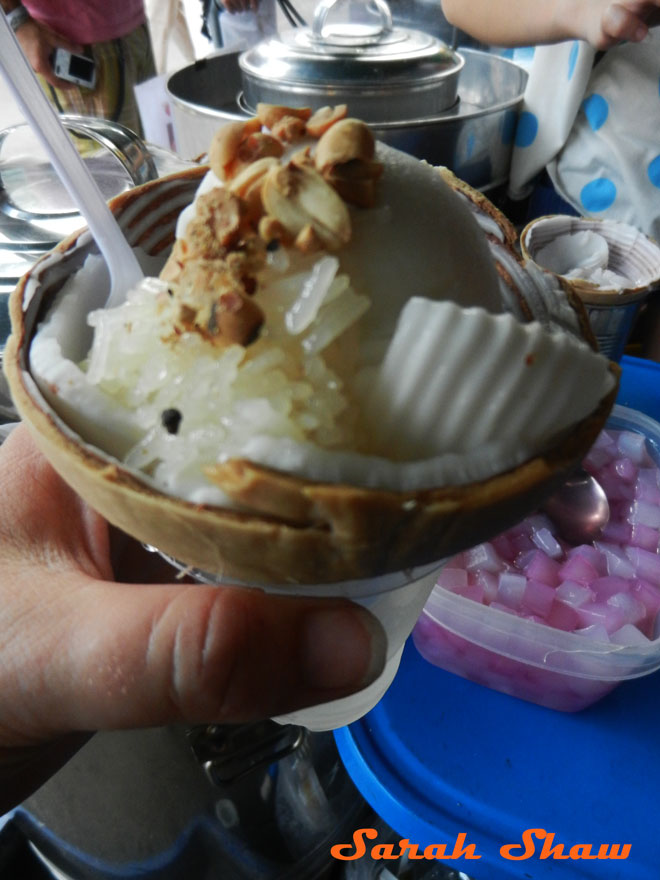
(596,128)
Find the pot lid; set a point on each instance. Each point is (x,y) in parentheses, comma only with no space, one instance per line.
(351,53)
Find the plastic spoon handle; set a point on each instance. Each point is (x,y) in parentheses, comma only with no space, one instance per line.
(122,263)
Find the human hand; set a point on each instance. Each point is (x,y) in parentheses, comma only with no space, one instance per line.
(607,23)
(38,43)
(92,637)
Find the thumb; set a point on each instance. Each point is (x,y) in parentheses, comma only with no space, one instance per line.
(131,655)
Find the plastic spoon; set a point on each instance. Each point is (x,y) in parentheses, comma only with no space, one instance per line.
(124,269)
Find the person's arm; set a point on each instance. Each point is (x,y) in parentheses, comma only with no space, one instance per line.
(602,23)
(95,633)
(38,42)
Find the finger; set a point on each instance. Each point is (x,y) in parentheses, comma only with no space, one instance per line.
(143,655)
(43,523)
(620,23)
(59,41)
(44,67)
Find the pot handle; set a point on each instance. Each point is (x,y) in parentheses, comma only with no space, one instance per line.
(346,36)
(127,147)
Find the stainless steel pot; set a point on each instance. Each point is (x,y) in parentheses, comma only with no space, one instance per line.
(473,138)
(35,209)
(381,71)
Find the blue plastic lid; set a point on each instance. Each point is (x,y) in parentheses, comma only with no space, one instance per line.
(440,757)
(640,386)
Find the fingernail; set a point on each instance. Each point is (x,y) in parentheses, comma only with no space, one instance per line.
(342,648)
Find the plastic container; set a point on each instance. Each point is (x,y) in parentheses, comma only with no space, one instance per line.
(533,661)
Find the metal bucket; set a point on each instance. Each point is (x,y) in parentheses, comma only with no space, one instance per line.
(474,139)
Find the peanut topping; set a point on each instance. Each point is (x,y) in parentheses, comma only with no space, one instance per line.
(216,225)
(226,143)
(323,118)
(271,230)
(247,184)
(290,129)
(345,158)
(298,196)
(239,318)
(344,141)
(270,114)
(216,264)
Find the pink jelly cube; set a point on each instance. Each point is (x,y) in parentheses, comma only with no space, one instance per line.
(474,592)
(609,616)
(542,567)
(483,556)
(629,635)
(521,543)
(631,607)
(609,585)
(563,616)
(596,632)
(632,445)
(645,513)
(617,531)
(538,598)
(510,589)
(616,560)
(626,469)
(453,578)
(615,488)
(645,537)
(487,580)
(546,541)
(649,595)
(646,486)
(591,554)
(646,565)
(573,593)
(579,569)
(504,548)
(596,458)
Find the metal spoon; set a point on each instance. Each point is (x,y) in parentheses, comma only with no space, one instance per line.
(122,263)
(579,509)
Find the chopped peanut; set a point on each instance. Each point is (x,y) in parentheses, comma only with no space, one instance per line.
(270,114)
(239,319)
(323,118)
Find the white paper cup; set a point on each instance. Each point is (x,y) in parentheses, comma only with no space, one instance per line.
(396,599)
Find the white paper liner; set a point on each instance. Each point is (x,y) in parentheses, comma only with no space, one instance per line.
(632,255)
(460,379)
